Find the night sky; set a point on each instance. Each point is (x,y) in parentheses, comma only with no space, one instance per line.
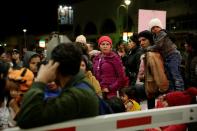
(37,16)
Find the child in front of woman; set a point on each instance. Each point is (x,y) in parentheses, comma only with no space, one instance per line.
(85,67)
(128,97)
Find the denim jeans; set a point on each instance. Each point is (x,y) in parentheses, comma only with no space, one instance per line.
(172,66)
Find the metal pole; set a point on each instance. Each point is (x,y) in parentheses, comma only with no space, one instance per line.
(118,19)
(25,41)
(127,22)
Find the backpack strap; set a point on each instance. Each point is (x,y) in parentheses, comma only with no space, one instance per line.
(104,107)
(82,85)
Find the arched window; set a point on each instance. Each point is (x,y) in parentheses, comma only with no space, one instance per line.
(130,23)
(77,30)
(108,26)
(90,29)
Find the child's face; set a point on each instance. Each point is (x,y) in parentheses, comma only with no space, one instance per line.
(83,66)
(33,64)
(155,29)
(124,97)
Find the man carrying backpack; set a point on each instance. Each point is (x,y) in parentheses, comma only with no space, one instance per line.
(71,103)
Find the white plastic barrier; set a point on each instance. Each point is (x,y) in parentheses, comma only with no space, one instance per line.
(128,121)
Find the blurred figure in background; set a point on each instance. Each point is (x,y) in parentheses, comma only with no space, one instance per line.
(86,68)
(92,50)
(191,61)
(133,58)
(31,60)
(6,119)
(16,60)
(121,50)
(81,39)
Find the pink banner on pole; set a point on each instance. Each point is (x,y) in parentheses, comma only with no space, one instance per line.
(145,16)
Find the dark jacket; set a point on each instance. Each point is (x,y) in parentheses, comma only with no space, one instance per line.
(133,63)
(72,103)
(190,71)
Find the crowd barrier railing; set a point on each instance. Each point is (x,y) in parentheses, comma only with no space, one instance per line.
(127,121)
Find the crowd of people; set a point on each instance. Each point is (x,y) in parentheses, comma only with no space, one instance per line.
(79,80)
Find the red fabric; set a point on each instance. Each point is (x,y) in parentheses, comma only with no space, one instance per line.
(178,98)
(151,129)
(192,91)
(159,104)
(180,127)
(104,38)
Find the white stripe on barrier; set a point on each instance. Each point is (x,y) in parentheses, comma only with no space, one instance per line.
(127,121)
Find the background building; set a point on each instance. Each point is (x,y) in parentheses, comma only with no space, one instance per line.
(97,17)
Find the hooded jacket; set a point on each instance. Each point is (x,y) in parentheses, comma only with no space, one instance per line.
(108,70)
(28,55)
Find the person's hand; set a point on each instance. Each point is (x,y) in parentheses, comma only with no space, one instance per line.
(52,86)
(105,90)
(47,73)
(14,105)
(139,83)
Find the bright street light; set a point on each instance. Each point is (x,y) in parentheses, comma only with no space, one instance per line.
(24,30)
(125,5)
(127,2)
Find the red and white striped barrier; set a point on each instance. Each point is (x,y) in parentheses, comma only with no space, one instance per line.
(127,121)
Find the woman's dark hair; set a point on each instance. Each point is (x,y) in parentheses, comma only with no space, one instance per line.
(191,40)
(130,92)
(87,62)
(148,35)
(134,38)
(116,104)
(69,56)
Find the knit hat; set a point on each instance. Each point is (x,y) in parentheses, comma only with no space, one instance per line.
(81,39)
(104,38)
(155,22)
(178,98)
(23,76)
(147,34)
